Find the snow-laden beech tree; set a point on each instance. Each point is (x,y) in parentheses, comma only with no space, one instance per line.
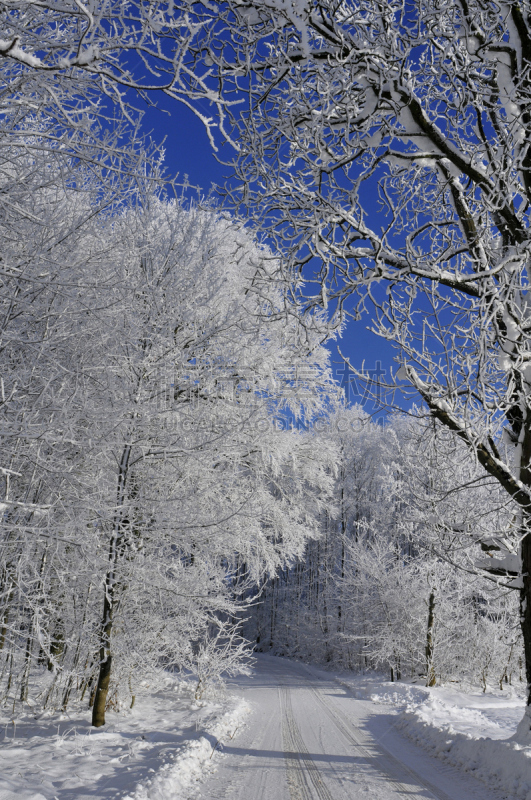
(165,489)
(41,236)
(416,616)
(426,616)
(194,378)
(390,144)
(44,231)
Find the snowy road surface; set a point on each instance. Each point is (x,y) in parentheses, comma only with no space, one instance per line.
(310,739)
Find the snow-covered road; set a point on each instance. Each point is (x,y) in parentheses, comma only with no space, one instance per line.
(309,738)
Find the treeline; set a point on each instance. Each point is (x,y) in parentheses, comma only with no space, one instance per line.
(411,572)
(142,474)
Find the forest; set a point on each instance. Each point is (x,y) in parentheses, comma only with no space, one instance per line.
(397,580)
(183,479)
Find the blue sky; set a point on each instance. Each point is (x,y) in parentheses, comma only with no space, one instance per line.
(188,153)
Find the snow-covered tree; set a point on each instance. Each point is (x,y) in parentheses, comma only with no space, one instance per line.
(391,143)
(64,59)
(194,380)
(161,487)
(380,589)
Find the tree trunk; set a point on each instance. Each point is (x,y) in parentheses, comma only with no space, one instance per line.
(525,591)
(104,677)
(109,602)
(525,604)
(430,671)
(57,645)
(24,683)
(3,630)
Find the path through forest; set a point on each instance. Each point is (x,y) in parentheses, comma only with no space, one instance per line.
(309,738)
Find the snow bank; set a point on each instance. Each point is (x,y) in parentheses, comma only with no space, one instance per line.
(473,730)
(503,764)
(153,750)
(193,759)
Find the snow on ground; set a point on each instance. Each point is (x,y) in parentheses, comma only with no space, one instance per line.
(167,744)
(475,732)
(156,750)
(311,738)
(468,728)
(494,713)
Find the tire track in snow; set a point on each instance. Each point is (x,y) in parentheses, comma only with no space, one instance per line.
(345,726)
(302,772)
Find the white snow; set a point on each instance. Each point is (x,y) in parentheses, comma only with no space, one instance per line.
(319,733)
(154,751)
(194,759)
(470,729)
(358,735)
(474,736)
